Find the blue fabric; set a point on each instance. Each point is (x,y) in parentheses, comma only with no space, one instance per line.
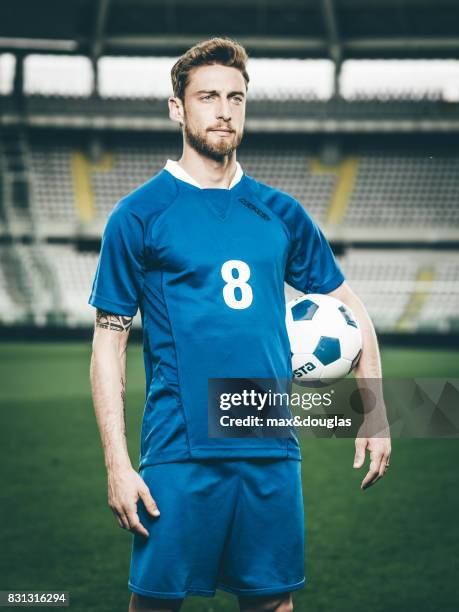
(206,268)
(234,525)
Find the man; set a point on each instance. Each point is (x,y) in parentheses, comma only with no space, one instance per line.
(203,249)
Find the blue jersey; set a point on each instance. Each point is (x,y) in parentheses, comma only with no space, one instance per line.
(206,268)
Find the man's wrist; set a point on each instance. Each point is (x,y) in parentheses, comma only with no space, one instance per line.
(375,423)
(117,464)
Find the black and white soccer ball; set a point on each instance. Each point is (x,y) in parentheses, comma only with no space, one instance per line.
(325,338)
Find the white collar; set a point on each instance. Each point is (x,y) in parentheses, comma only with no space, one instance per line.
(176,170)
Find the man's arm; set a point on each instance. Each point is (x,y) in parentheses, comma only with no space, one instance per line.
(108,384)
(368,375)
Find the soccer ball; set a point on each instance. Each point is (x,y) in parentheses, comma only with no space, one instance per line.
(325,338)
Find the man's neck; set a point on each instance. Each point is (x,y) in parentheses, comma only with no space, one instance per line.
(207,172)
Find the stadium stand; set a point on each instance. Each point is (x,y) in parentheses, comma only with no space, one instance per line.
(289,170)
(15,172)
(405,189)
(56,110)
(12,307)
(36,284)
(401,289)
(441,308)
(391,188)
(73,272)
(129,168)
(374,161)
(54,197)
(406,289)
(47,284)
(69,192)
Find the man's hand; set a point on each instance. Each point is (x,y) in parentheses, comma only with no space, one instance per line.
(380,450)
(374,433)
(125,488)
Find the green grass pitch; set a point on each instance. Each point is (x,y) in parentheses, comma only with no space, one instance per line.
(393,547)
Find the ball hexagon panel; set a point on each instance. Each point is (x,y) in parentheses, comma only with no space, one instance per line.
(327,350)
(348,317)
(304,310)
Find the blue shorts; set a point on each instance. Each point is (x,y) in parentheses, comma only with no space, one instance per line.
(234,525)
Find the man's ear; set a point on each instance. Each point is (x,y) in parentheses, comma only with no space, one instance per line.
(175,109)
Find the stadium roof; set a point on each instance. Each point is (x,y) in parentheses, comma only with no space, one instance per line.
(339,29)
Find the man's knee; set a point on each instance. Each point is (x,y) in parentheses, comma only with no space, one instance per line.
(269,603)
(139,603)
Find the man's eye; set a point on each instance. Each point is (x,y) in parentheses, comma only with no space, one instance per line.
(208,97)
(237,99)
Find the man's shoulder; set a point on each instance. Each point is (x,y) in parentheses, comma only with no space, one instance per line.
(279,202)
(149,199)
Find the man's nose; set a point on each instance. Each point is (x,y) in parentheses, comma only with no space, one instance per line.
(224,110)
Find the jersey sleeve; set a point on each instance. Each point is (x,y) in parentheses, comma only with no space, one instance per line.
(119,278)
(311,266)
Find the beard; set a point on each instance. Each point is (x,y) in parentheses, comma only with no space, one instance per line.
(218,150)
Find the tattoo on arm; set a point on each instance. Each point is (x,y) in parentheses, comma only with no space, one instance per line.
(108,320)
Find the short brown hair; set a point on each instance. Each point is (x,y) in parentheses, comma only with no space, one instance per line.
(217,50)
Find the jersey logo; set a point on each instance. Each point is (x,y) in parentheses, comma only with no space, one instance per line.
(255,209)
